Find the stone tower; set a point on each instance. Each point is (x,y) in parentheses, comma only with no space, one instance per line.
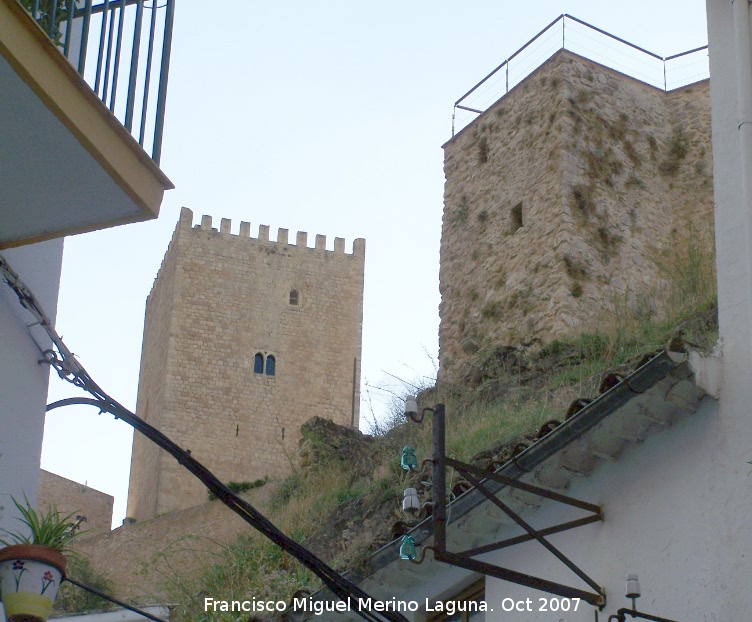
(244,340)
(563,202)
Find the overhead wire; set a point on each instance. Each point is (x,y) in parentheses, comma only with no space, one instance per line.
(113,600)
(70,369)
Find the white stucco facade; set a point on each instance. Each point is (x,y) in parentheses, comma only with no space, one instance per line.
(667,519)
(119,615)
(23,382)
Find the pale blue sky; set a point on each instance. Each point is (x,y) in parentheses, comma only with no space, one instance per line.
(323,117)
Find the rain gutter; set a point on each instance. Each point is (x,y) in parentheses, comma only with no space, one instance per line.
(591,415)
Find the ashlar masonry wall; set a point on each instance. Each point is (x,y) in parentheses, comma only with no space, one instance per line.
(565,205)
(224,309)
(93,507)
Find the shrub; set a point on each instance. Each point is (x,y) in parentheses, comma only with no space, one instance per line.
(238,487)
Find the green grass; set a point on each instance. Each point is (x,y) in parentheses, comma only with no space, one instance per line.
(73,599)
(506,402)
(476,419)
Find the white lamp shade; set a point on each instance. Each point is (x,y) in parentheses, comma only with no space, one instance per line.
(633,586)
(410,502)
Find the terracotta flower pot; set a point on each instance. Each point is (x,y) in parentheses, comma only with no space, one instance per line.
(30,576)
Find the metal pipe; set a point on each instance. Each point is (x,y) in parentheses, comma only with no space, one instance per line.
(100,56)
(68,25)
(470,109)
(147,77)
(665,84)
(535,534)
(51,26)
(622,614)
(506,574)
(108,57)
(742,40)
(480,550)
(536,37)
(118,47)
(133,76)
(84,38)
(563,18)
(704,47)
(99,8)
(614,37)
(563,29)
(469,469)
(439,479)
(507,61)
(156,151)
(354,381)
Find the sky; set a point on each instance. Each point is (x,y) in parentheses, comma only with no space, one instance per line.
(326,117)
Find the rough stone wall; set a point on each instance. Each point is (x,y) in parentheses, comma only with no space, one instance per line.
(155,383)
(70,497)
(145,559)
(219,300)
(142,559)
(561,200)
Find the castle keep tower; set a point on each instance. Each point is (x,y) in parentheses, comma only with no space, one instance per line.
(245,339)
(565,204)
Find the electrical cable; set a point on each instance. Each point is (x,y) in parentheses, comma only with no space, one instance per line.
(120,603)
(69,369)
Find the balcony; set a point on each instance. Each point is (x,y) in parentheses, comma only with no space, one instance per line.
(83,91)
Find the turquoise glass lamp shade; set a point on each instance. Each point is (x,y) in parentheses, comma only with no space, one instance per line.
(407,548)
(409,461)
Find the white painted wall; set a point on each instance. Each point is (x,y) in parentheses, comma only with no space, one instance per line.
(669,517)
(23,382)
(119,615)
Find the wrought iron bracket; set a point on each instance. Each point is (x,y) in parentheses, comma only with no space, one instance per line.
(621,616)
(477,477)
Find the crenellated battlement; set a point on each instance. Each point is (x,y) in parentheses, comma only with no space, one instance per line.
(283,235)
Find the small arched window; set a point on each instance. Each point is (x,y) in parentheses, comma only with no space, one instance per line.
(269,365)
(294,297)
(258,363)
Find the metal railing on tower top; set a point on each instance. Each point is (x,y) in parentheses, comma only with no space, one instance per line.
(114,45)
(569,33)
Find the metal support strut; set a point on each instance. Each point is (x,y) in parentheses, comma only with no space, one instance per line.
(621,616)
(477,477)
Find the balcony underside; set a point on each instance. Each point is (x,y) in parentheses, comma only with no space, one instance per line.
(67,165)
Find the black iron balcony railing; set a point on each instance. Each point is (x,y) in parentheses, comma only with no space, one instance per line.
(94,38)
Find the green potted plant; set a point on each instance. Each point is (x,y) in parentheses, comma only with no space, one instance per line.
(32,563)
(49,15)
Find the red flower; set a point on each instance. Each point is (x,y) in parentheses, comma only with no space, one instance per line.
(48,576)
